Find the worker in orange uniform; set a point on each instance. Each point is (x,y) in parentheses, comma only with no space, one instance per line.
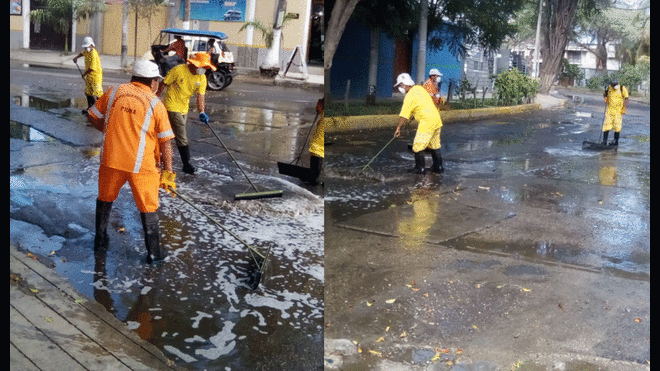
(178,46)
(136,146)
(431,85)
(180,84)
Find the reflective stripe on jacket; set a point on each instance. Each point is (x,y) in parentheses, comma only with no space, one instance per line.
(134,123)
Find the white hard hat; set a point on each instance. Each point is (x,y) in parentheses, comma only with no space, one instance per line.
(404,79)
(87,42)
(434,71)
(146,68)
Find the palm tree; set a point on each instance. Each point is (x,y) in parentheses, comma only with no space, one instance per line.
(60,13)
(271,38)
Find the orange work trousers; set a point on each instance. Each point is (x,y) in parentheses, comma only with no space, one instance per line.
(143,185)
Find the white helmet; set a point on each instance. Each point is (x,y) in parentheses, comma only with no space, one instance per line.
(404,79)
(146,68)
(434,71)
(87,42)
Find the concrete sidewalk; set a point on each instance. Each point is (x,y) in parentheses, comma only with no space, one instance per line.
(52,327)
(347,123)
(313,80)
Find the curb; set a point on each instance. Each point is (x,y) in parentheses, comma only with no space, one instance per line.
(335,124)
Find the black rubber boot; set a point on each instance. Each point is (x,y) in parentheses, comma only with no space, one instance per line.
(436,166)
(151,237)
(101,239)
(184,151)
(315,165)
(605,135)
(616,139)
(419,164)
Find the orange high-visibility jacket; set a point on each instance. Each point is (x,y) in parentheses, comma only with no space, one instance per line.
(134,122)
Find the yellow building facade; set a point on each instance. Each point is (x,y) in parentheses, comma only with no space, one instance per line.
(106,27)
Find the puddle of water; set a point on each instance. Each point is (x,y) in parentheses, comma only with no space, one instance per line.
(28,133)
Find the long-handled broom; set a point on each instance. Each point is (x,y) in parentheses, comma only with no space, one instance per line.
(599,146)
(300,172)
(260,259)
(246,196)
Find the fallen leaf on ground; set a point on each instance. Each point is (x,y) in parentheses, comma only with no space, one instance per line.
(390,301)
(638,320)
(387,329)
(403,335)
(380,339)
(377,354)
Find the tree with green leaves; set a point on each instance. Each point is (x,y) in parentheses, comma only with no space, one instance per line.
(485,23)
(61,13)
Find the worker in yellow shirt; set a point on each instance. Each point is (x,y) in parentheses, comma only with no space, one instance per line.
(180,84)
(93,74)
(316,147)
(418,103)
(616,99)
(136,149)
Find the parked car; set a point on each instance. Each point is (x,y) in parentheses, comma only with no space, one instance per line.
(196,41)
(232,15)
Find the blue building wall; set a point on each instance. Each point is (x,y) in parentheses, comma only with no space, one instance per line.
(448,64)
(351,62)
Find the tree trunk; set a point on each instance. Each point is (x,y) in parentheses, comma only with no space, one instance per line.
(373,67)
(341,13)
(557,23)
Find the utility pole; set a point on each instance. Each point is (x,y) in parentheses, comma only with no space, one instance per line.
(535,69)
(186,15)
(421,53)
(124,34)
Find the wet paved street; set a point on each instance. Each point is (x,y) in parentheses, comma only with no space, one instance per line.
(195,306)
(527,249)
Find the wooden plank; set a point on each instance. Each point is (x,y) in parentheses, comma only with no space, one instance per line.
(18,361)
(37,347)
(63,334)
(96,332)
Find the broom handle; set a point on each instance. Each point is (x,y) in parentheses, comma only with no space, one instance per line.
(251,248)
(306,139)
(232,157)
(372,160)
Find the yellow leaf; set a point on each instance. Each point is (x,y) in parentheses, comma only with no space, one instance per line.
(436,357)
(403,334)
(377,354)
(390,301)
(52,252)
(369,304)
(475,327)
(48,319)
(459,351)
(34,291)
(387,329)
(380,339)
(359,349)
(638,320)
(526,290)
